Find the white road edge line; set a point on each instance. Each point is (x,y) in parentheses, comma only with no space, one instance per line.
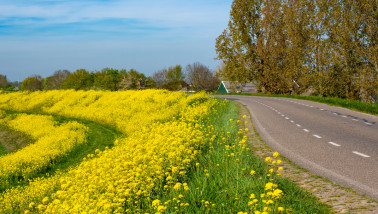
(298,125)
(317,136)
(306,130)
(360,154)
(334,144)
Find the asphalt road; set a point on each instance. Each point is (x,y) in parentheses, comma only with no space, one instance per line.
(336,143)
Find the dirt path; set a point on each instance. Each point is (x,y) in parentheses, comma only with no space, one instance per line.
(341,199)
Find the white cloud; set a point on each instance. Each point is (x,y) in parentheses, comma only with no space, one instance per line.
(162,13)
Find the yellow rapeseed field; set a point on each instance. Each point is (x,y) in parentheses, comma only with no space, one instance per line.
(163,138)
(164,134)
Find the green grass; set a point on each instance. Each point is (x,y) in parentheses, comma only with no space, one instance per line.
(370,108)
(222,182)
(3,151)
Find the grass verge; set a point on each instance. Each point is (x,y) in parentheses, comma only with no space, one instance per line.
(370,108)
(227,178)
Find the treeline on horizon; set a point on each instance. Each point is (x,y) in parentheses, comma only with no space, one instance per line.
(197,77)
(323,47)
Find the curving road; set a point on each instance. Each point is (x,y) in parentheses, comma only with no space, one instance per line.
(336,143)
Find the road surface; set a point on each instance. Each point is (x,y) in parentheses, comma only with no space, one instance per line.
(336,143)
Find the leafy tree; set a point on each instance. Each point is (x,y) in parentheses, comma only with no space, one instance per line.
(237,45)
(107,79)
(79,80)
(201,78)
(174,79)
(33,83)
(56,80)
(175,74)
(329,46)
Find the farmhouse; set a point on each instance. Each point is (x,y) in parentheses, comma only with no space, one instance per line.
(237,87)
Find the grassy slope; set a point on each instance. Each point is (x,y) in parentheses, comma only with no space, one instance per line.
(369,108)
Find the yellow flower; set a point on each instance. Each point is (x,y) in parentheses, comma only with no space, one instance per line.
(177,186)
(156,203)
(270,186)
(281,209)
(276,154)
(161,208)
(244,116)
(268,159)
(277,193)
(45,200)
(31,205)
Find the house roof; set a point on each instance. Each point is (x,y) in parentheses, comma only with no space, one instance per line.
(235,86)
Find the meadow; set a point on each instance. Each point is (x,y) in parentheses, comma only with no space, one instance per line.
(150,151)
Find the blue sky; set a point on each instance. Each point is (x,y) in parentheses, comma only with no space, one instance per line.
(42,36)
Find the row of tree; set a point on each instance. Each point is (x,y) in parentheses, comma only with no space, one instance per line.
(197,77)
(328,47)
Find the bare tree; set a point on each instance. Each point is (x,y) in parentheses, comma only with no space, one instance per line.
(159,77)
(56,80)
(201,77)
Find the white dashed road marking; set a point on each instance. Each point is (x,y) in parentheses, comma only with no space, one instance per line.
(318,136)
(361,154)
(334,144)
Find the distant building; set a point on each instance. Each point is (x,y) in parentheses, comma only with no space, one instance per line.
(237,87)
